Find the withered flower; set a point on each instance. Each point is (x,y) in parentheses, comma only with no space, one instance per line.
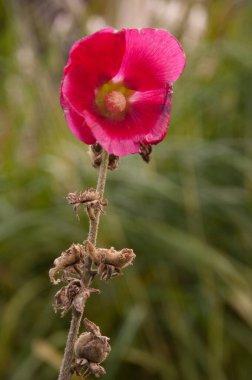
(82,197)
(63,299)
(109,261)
(72,295)
(86,196)
(67,262)
(89,199)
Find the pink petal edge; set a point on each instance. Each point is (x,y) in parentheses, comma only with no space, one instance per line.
(152,58)
(77,124)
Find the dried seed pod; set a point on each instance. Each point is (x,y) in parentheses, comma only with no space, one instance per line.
(94,350)
(91,345)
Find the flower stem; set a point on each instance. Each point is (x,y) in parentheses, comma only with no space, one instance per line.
(94,224)
(65,370)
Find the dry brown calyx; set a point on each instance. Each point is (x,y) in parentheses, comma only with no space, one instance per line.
(95,154)
(91,349)
(68,263)
(110,262)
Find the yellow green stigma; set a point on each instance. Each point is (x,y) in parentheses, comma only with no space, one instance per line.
(112,100)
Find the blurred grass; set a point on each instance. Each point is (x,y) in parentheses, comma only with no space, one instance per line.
(184,311)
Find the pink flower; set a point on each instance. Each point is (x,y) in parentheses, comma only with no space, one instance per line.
(117,87)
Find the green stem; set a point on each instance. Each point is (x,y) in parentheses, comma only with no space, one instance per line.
(65,370)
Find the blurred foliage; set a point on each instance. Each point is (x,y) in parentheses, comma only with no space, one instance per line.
(184,311)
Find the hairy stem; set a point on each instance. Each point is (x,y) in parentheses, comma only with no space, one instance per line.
(94,224)
(65,370)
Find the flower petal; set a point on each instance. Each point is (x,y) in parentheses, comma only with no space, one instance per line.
(100,54)
(153,108)
(152,58)
(77,124)
(93,61)
(78,88)
(146,121)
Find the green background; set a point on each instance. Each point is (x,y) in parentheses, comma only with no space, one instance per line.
(184,310)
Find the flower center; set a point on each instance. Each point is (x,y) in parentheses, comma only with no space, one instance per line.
(112,100)
(115,102)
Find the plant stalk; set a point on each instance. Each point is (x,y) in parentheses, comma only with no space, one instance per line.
(65,370)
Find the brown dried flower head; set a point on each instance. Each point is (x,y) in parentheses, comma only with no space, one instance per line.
(88,195)
(63,299)
(89,199)
(67,262)
(109,261)
(91,349)
(73,295)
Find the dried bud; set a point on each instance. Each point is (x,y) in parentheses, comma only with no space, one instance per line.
(145,152)
(96,148)
(68,259)
(109,261)
(113,162)
(95,154)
